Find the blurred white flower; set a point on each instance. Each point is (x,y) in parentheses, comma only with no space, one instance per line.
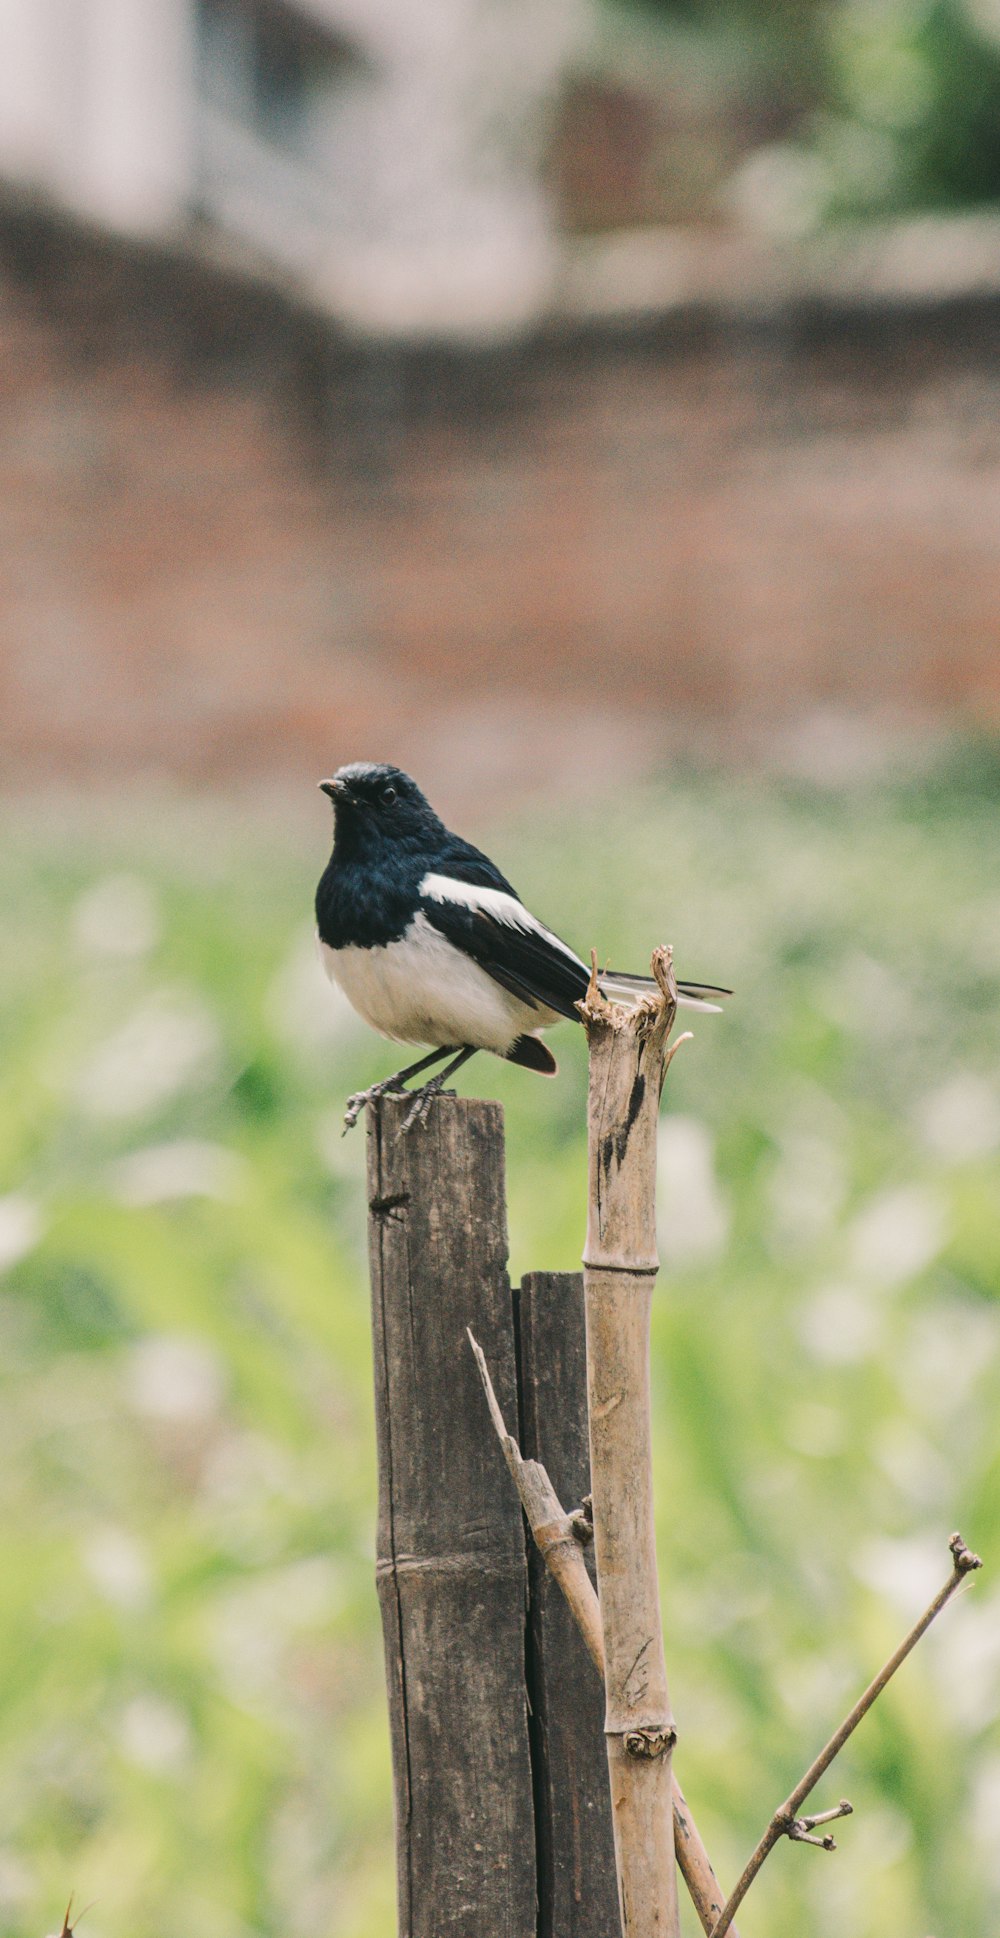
(254,1623)
(710,1714)
(880,1836)
(814,1688)
(118,1567)
(170,1042)
(906,1572)
(868,998)
(841,1325)
(155,1735)
(913,1464)
(864,163)
(897,1235)
(781,190)
(985,1812)
(945,1350)
(16,1881)
(186,1168)
(298,1874)
(306,1011)
(961,1119)
(20,1228)
(175,1379)
(118,916)
(833,745)
(807,1189)
(246,1469)
(692,1222)
(965,1652)
(307,1592)
(986,14)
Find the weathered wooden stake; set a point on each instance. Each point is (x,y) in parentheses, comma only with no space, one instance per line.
(628,1060)
(503,1823)
(557,1537)
(577,1894)
(451,1557)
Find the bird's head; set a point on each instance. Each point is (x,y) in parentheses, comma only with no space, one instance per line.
(376,803)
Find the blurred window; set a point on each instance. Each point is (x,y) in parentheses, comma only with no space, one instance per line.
(261,62)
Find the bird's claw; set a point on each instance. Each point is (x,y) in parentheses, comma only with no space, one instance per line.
(422,1100)
(417,1114)
(356,1104)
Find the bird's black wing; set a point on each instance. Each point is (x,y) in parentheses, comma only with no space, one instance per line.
(468,900)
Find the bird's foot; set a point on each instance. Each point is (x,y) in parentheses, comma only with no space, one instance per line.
(356,1104)
(396,1085)
(423,1099)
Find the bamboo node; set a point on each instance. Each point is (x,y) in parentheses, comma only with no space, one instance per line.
(649,1742)
(553,1534)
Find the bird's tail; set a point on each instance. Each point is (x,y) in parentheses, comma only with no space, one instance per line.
(623,988)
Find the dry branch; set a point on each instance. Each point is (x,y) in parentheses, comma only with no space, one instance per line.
(628,1060)
(557,1536)
(786,1822)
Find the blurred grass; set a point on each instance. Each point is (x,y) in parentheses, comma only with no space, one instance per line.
(191,1711)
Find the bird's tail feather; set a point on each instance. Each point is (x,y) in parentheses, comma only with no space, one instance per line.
(621,987)
(533,1054)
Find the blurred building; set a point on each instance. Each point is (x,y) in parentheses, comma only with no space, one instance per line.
(382,155)
(315,445)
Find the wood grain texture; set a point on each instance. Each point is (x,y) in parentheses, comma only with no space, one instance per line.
(555,1534)
(451,1552)
(577,1892)
(628,1061)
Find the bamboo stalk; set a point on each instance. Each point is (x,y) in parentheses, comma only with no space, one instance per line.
(628,1061)
(558,1541)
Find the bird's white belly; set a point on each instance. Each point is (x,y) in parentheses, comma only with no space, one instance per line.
(423,990)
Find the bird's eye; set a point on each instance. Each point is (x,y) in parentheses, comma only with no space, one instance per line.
(387,796)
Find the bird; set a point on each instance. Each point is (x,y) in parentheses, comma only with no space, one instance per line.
(432,945)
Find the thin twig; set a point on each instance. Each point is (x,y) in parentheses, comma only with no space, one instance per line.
(785,1821)
(841,1809)
(799,1831)
(558,1537)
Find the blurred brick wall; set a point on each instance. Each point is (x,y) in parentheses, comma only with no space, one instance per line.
(234,546)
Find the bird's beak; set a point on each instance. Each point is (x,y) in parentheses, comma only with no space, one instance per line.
(337,790)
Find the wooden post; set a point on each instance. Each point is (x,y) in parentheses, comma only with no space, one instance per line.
(451,1554)
(628,1058)
(577,1894)
(556,1535)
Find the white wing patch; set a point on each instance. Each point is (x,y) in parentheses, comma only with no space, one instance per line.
(497,903)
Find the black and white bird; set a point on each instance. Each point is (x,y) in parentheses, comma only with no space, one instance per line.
(432,945)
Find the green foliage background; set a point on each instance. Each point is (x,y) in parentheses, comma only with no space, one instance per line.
(888,106)
(191,1714)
